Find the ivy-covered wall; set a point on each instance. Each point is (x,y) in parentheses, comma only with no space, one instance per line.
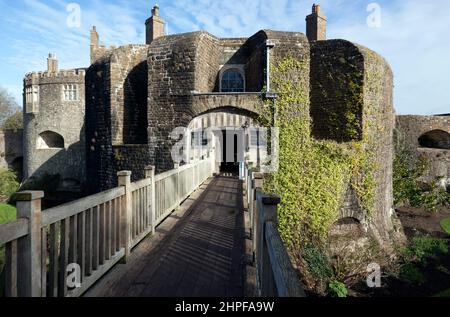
(335,144)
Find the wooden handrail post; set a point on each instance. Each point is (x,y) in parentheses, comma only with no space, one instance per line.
(257,183)
(29,247)
(150,173)
(124,178)
(268,214)
(270,203)
(176,166)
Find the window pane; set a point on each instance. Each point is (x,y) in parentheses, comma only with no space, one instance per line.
(232,81)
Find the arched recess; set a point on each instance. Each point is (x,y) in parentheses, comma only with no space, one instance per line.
(347,226)
(50,140)
(135,121)
(435,139)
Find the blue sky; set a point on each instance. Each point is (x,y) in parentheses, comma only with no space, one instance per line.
(413,35)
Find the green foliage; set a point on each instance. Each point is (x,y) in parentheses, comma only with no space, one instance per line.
(408,189)
(14,122)
(313,175)
(412,274)
(8,105)
(424,247)
(445,224)
(338,289)
(318,263)
(8,184)
(7,213)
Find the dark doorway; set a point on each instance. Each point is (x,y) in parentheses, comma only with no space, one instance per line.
(230,146)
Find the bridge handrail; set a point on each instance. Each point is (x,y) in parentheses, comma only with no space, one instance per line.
(63,251)
(275,274)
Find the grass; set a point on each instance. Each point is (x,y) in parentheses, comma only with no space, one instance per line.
(445,224)
(7,213)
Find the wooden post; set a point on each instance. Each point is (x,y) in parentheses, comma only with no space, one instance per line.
(124,178)
(150,173)
(268,214)
(176,165)
(29,247)
(257,183)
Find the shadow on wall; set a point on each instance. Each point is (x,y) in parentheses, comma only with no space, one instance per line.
(436,139)
(337,82)
(61,176)
(135,121)
(14,152)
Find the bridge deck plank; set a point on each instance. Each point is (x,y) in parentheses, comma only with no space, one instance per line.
(197,251)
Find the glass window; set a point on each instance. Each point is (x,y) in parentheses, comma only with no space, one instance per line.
(232,81)
(258,137)
(70,92)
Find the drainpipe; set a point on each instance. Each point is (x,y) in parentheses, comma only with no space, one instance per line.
(270,95)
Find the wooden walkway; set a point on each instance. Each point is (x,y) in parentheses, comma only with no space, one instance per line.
(197,251)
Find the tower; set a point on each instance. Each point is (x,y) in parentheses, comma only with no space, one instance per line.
(154,26)
(316,25)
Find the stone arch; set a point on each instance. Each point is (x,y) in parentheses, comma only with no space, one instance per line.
(225,133)
(50,140)
(435,139)
(348,226)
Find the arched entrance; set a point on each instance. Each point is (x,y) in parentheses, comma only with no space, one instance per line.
(231,136)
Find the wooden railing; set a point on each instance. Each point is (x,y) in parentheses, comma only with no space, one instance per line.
(275,274)
(63,251)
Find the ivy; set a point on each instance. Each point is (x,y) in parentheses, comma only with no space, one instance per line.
(313,175)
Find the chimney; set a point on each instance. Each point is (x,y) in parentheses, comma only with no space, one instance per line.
(52,64)
(95,41)
(154,26)
(316,25)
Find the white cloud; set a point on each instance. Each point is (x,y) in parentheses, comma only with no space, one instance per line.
(412,37)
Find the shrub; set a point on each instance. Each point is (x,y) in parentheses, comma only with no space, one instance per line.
(8,184)
(338,289)
(14,122)
(318,262)
(425,247)
(408,189)
(411,274)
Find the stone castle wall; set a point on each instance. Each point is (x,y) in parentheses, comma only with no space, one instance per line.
(352,101)
(65,118)
(11,151)
(410,128)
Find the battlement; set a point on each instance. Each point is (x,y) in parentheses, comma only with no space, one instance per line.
(34,78)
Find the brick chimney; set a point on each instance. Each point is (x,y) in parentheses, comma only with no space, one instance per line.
(316,25)
(52,63)
(154,26)
(95,42)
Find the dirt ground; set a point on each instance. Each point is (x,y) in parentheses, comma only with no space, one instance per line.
(416,222)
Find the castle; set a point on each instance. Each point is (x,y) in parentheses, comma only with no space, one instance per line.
(87,124)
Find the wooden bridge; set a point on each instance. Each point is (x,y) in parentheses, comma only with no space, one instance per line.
(183,233)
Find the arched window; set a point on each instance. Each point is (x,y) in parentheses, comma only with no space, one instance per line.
(232,81)
(436,139)
(50,140)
